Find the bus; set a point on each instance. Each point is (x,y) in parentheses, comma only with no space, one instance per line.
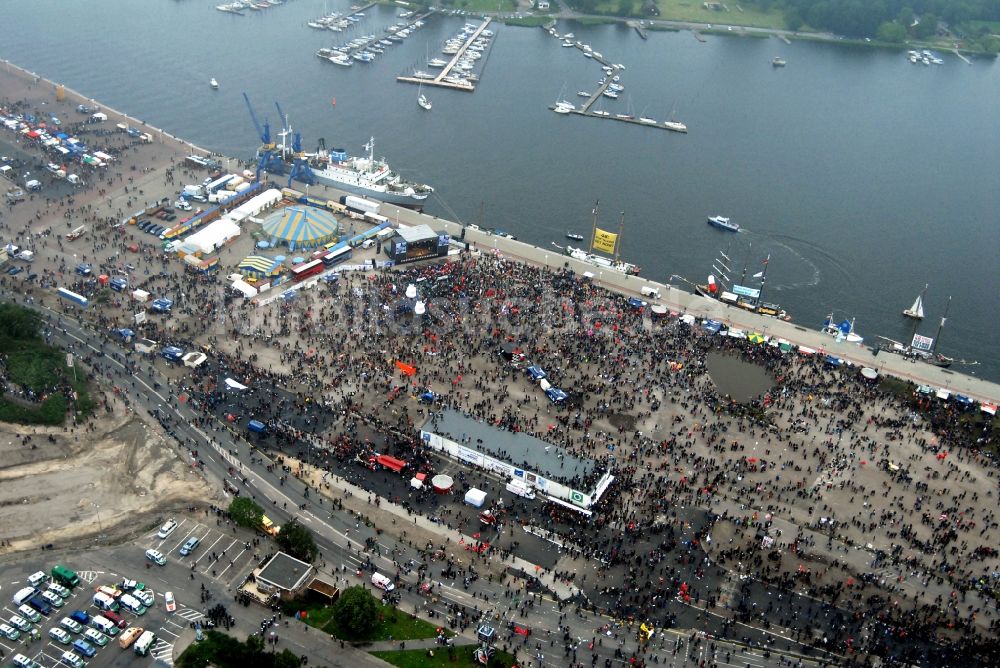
(337,255)
(144,643)
(65,576)
(307,269)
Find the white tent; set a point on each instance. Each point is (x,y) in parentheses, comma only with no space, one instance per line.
(257,203)
(100,116)
(194,359)
(140,295)
(234,385)
(475,497)
(248,290)
(213,237)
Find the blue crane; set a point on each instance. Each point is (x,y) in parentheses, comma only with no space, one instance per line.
(268,160)
(301,171)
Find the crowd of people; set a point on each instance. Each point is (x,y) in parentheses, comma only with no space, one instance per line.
(875,502)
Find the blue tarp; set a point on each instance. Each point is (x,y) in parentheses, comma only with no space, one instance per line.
(161,305)
(172,353)
(962,399)
(712,326)
(535,372)
(556,395)
(125,333)
(427,397)
(256,426)
(635,302)
(833,361)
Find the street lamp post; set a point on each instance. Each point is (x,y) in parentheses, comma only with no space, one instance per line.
(100,527)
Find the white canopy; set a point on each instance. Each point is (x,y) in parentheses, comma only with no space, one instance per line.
(213,237)
(248,290)
(234,385)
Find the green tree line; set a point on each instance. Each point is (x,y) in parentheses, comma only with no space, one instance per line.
(865,18)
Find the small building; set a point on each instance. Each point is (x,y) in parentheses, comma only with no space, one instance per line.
(285,576)
(260,267)
(418,242)
(543,5)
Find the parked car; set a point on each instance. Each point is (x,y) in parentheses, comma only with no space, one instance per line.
(169,602)
(84,647)
(29,613)
(156,557)
(9,632)
(71,625)
(80,616)
(167,528)
(59,589)
(96,637)
(53,599)
(20,623)
(60,635)
(189,546)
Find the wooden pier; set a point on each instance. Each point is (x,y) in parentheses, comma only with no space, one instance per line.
(439,81)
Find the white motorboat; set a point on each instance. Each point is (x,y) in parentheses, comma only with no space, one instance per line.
(214,84)
(675,126)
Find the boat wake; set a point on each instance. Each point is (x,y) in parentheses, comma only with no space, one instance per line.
(788,243)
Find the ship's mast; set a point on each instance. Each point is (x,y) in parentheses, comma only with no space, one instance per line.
(621,231)
(593,227)
(763,278)
(937,337)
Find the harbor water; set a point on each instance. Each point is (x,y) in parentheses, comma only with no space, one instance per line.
(861,176)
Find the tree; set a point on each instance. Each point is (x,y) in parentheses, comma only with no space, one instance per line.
(793,19)
(298,541)
(246,512)
(356,611)
(223,651)
(890,31)
(927,26)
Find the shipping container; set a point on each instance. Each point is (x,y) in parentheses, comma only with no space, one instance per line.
(79,300)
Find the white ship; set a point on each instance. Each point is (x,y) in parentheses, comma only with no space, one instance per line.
(367,176)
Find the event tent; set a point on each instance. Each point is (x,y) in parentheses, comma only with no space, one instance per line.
(214,236)
(301,227)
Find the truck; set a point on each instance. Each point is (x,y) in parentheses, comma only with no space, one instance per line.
(68,295)
(76,233)
(359,204)
(195,193)
(219,183)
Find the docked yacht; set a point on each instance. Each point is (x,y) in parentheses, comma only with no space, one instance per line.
(675,126)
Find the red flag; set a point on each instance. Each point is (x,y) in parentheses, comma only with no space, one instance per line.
(407,369)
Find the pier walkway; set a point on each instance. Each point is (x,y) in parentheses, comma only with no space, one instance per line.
(440,79)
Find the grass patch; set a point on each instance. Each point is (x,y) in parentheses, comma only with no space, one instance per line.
(480,6)
(687,10)
(593,21)
(459,657)
(39,369)
(395,623)
(527,21)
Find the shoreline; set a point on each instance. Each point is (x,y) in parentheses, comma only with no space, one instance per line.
(673,297)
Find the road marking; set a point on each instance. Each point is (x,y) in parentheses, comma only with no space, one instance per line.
(163,629)
(88,576)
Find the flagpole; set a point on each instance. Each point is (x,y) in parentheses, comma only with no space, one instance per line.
(937,337)
(621,231)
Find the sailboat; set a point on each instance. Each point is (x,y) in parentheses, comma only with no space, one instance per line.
(917,310)
(422,100)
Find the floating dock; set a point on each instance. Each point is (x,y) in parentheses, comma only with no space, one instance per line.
(439,79)
(584,109)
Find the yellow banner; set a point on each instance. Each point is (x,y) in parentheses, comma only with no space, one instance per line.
(605,241)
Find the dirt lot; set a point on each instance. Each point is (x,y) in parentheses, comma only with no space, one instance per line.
(85,483)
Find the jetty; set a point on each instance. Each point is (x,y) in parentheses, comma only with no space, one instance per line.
(585,109)
(639,28)
(439,80)
(959,54)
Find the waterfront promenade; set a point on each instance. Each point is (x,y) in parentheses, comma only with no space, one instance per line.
(683,302)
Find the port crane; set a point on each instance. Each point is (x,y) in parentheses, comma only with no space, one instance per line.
(301,171)
(268,160)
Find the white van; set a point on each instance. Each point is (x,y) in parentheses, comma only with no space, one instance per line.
(104,625)
(37,579)
(382,582)
(24,594)
(144,642)
(647,291)
(105,602)
(72,659)
(26,255)
(132,604)
(167,528)
(520,488)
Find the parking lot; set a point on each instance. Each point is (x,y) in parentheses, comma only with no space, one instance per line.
(205,577)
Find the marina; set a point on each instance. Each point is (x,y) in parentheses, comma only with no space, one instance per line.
(445,78)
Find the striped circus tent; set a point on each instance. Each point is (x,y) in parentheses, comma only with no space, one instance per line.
(301,227)
(259,267)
